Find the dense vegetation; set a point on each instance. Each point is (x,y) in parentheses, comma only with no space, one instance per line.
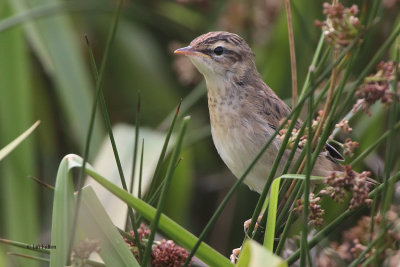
(89,70)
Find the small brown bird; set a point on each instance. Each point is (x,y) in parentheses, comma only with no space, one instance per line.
(244,111)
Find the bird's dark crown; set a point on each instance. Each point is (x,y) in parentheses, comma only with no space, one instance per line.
(234,48)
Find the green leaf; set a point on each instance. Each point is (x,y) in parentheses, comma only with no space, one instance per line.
(272,207)
(98,226)
(166,225)
(56,44)
(271,219)
(105,164)
(63,205)
(95,222)
(178,202)
(29,247)
(255,255)
(167,184)
(302,177)
(11,146)
(19,203)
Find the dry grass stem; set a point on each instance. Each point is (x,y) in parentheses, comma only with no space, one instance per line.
(292,52)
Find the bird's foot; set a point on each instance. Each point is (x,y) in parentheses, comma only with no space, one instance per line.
(247,223)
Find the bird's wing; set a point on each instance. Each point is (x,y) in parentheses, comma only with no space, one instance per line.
(276,110)
(333,152)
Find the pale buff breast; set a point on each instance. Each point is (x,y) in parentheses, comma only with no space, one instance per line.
(238,138)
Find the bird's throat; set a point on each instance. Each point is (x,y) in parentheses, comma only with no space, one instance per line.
(225,104)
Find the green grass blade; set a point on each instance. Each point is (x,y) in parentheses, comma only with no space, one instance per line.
(85,155)
(30,257)
(135,145)
(228,196)
(273,204)
(163,197)
(371,244)
(141,172)
(31,14)
(372,146)
(389,190)
(339,220)
(306,91)
(274,167)
(178,203)
(97,226)
(37,249)
(131,216)
(389,157)
(154,181)
(105,164)
(166,225)
(271,220)
(373,11)
(192,98)
(17,97)
(45,10)
(305,255)
(24,246)
(285,232)
(157,192)
(302,177)
(11,146)
(99,81)
(254,255)
(371,64)
(56,45)
(63,206)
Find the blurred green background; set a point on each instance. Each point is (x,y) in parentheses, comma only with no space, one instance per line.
(45,75)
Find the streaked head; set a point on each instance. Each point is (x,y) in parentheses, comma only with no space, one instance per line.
(219,54)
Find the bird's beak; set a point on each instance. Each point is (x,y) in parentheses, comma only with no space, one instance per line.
(188,51)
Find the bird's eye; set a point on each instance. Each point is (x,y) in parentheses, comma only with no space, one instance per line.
(219,50)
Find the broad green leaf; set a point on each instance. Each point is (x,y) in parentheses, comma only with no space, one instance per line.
(94,221)
(166,225)
(96,225)
(58,48)
(255,255)
(19,203)
(63,206)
